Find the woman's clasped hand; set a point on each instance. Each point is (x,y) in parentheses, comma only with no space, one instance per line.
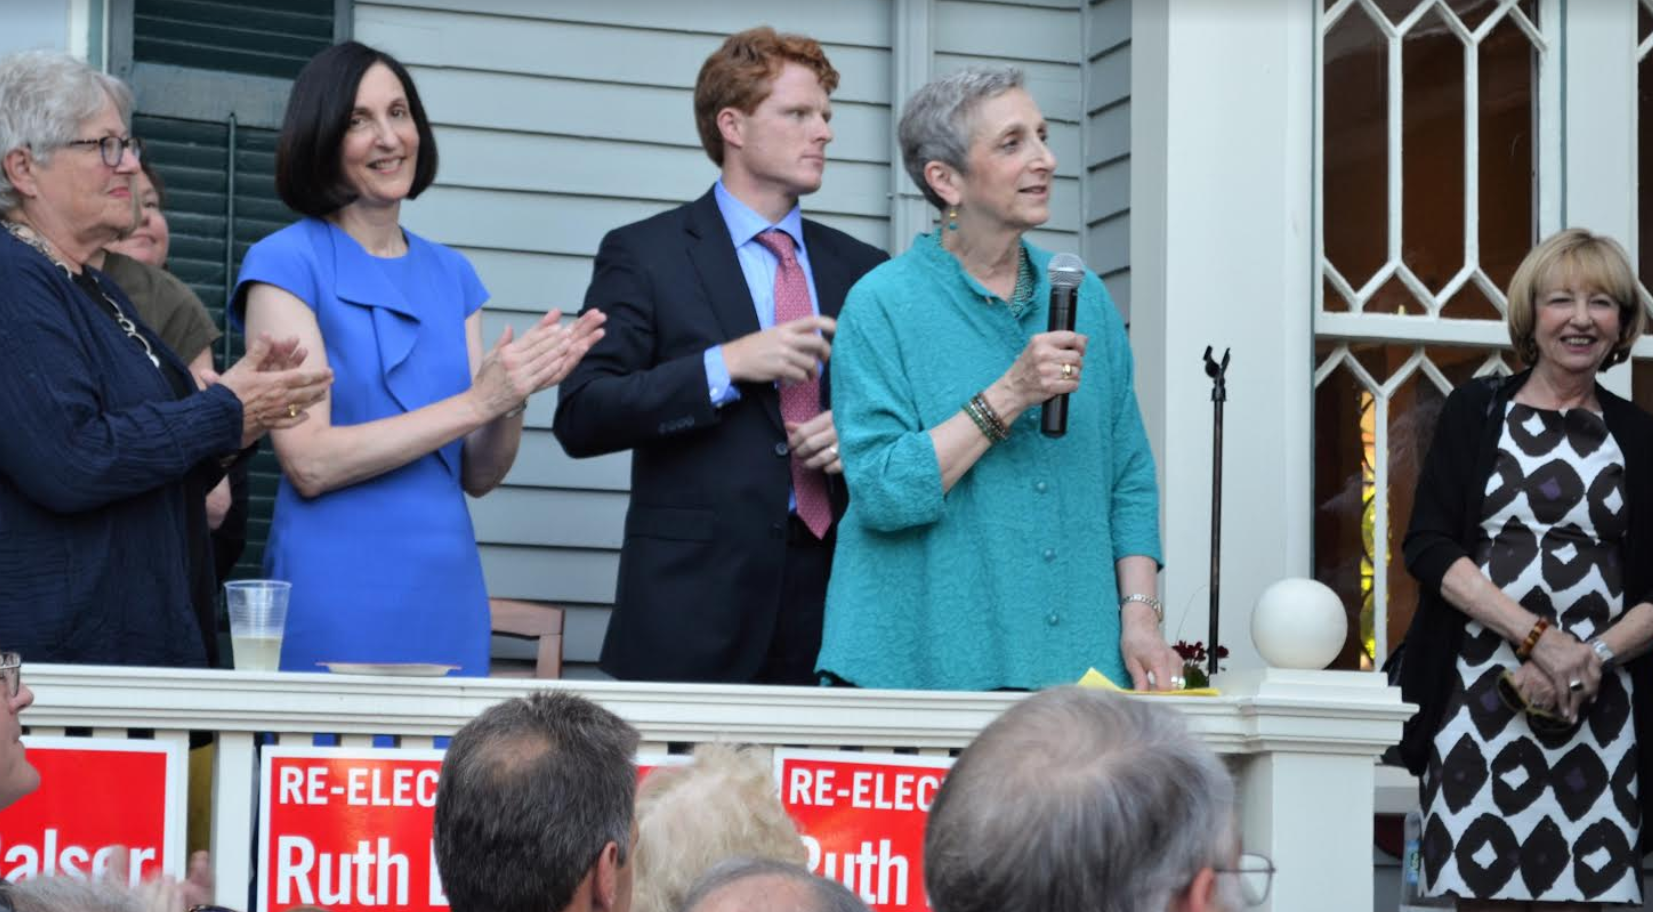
(1562,676)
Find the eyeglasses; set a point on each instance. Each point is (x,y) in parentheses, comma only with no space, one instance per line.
(11,673)
(1539,718)
(111,148)
(1256,875)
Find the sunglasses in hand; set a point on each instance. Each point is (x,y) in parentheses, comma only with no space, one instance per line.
(1540,718)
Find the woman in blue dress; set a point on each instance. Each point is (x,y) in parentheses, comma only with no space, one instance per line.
(371,525)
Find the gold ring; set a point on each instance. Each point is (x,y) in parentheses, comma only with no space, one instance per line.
(292,410)
(1067,372)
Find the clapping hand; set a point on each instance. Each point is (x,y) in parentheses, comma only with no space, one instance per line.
(515,369)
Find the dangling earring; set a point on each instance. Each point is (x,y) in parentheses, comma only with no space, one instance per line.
(953,219)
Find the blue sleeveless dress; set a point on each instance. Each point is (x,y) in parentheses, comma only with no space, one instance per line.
(386,570)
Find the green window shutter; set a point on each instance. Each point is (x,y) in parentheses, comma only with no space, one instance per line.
(211,231)
(225,36)
(202,71)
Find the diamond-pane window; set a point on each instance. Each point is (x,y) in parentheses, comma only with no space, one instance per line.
(1429,200)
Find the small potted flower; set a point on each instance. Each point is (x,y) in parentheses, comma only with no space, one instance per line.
(1194,657)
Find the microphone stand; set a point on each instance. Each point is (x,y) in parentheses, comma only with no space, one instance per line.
(1219,394)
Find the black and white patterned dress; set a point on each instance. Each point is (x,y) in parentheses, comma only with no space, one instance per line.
(1512,813)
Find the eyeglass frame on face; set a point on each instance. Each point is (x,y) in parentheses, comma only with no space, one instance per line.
(1240,869)
(118,143)
(11,673)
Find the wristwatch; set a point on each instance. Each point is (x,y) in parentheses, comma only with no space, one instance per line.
(1603,652)
(1150,601)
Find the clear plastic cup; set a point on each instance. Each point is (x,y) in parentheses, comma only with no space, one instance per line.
(258,619)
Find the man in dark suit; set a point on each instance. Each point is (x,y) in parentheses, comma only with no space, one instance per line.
(720,314)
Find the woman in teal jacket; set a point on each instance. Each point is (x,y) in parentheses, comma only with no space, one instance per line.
(978,553)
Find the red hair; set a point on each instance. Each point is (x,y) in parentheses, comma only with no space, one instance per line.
(739,73)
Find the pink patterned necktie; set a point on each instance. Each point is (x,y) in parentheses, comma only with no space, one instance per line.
(799,401)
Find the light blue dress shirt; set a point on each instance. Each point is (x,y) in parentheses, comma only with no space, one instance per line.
(758,266)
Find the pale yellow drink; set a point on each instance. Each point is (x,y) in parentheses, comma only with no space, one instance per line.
(256,653)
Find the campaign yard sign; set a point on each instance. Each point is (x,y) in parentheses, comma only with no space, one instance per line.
(348,829)
(102,802)
(862,817)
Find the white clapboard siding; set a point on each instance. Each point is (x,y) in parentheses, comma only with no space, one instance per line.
(1043,38)
(1107,204)
(558,122)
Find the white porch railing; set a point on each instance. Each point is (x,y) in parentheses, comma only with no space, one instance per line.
(1301,744)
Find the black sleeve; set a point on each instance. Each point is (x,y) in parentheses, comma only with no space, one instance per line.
(619,397)
(1432,542)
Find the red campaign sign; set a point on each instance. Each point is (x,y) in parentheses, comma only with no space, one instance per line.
(862,817)
(348,829)
(99,799)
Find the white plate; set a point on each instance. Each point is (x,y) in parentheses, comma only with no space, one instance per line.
(398,669)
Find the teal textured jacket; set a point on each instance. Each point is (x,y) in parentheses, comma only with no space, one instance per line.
(1007,580)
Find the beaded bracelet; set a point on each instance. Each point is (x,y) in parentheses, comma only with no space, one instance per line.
(986,420)
(1527,645)
(981,421)
(992,416)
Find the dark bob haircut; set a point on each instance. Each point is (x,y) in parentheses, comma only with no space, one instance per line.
(307,170)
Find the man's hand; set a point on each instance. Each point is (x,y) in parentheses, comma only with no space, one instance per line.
(789,352)
(816,442)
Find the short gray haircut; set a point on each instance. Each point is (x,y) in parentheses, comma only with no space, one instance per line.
(940,118)
(689,818)
(44,98)
(813,894)
(1078,800)
(72,894)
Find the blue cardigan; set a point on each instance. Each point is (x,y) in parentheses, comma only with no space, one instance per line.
(1007,580)
(95,457)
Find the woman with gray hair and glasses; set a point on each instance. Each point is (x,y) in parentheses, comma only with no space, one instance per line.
(108,445)
(978,553)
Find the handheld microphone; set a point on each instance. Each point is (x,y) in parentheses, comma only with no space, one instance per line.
(1066,271)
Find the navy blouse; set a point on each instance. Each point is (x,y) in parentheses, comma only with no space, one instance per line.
(97,458)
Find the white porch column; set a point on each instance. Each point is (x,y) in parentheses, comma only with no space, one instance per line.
(1599,133)
(1221,254)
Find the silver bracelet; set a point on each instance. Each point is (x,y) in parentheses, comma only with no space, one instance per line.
(516,411)
(1603,652)
(1150,601)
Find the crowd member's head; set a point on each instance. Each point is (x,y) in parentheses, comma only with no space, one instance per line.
(72,894)
(1574,285)
(767,885)
(151,237)
(68,157)
(355,130)
(18,777)
(534,808)
(762,107)
(1082,800)
(689,818)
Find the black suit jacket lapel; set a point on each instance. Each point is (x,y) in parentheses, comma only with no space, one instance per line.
(713,255)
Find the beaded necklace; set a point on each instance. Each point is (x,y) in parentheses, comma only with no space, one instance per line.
(28,236)
(1022,295)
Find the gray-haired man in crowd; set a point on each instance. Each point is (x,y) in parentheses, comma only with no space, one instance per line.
(1082,800)
(534,808)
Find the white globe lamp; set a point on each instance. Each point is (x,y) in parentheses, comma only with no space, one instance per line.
(1299,623)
